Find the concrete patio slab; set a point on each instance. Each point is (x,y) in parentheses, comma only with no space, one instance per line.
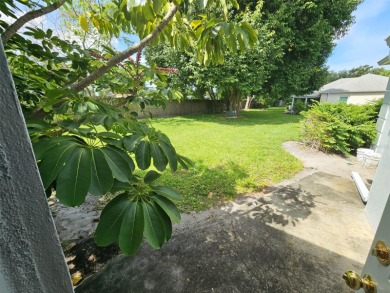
(298,237)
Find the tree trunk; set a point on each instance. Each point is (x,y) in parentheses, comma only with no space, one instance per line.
(248,102)
(233,97)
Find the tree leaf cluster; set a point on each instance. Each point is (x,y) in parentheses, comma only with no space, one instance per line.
(294,40)
(356,72)
(73,97)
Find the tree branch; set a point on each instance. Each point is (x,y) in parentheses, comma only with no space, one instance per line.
(13,28)
(125,54)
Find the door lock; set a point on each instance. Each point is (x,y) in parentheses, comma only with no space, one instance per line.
(354,281)
(381,251)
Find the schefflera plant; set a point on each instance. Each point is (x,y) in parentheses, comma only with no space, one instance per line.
(85,161)
(143,209)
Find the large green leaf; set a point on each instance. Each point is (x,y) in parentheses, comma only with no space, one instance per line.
(75,177)
(160,161)
(111,218)
(121,186)
(101,180)
(112,142)
(169,208)
(167,192)
(142,155)
(157,4)
(54,161)
(124,156)
(148,12)
(120,168)
(41,147)
(132,229)
(153,227)
(251,33)
(184,161)
(170,153)
(163,137)
(131,142)
(151,176)
(109,135)
(165,220)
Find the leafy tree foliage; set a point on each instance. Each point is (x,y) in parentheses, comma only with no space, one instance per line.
(295,38)
(303,40)
(356,72)
(239,75)
(82,144)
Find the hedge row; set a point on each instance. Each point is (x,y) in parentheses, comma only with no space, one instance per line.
(339,127)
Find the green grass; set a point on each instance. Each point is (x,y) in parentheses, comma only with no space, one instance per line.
(232,156)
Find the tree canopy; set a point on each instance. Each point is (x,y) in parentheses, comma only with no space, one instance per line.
(83,144)
(295,38)
(356,72)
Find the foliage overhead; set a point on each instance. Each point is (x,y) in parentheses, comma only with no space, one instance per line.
(295,38)
(356,72)
(83,144)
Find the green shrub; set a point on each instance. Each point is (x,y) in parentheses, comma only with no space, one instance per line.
(340,127)
(299,106)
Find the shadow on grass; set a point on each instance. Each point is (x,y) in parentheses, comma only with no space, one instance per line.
(272,116)
(202,187)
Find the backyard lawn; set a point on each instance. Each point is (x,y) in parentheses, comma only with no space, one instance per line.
(232,156)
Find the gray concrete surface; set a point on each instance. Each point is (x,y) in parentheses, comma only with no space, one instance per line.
(298,237)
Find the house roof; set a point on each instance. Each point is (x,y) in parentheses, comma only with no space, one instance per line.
(313,95)
(365,83)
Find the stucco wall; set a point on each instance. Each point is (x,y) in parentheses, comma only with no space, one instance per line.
(30,252)
(353,98)
(3,283)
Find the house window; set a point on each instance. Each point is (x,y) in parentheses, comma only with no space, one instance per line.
(343,100)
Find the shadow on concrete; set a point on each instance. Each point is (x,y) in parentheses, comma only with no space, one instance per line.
(287,205)
(235,249)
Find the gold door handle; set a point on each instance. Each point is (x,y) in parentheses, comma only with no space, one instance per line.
(354,281)
(381,251)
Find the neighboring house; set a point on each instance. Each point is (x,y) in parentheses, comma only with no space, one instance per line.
(355,90)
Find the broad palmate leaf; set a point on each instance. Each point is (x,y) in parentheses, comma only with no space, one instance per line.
(75,177)
(138,213)
(75,168)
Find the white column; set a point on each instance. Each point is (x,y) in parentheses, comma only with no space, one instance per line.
(380,189)
(383,123)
